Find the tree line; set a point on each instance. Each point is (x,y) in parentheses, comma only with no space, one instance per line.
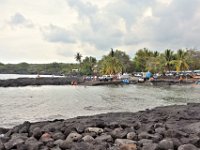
(116,61)
(144,60)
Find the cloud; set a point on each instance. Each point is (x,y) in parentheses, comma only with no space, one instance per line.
(19,20)
(56,34)
(83,9)
(93,27)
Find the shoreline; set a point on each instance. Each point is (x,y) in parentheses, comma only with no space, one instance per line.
(170,127)
(20,82)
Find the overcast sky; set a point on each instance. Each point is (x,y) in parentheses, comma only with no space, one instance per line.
(54,30)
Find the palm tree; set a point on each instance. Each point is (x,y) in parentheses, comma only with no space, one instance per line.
(169,57)
(78,57)
(111,65)
(181,60)
(112,53)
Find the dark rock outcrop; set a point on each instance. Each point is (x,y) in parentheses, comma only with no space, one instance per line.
(162,128)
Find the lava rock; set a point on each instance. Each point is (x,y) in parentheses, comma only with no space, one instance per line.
(166,144)
(187,147)
(73,137)
(88,138)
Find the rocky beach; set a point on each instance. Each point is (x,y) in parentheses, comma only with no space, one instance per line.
(174,127)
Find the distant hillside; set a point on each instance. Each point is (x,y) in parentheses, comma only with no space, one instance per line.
(25,68)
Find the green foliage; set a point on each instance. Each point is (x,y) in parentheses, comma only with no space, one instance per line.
(181,60)
(110,65)
(115,62)
(87,66)
(193,59)
(169,57)
(78,57)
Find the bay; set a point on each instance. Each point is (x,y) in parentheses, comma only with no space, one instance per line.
(39,103)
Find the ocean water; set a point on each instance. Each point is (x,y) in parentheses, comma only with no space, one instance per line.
(38,103)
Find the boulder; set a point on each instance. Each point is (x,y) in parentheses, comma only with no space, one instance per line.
(166,144)
(131,136)
(58,135)
(128,147)
(119,133)
(150,146)
(105,138)
(94,129)
(37,133)
(13,143)
(33,144)
(65,145)
(187,147)
(88,138)
(120,142)
(46,137)
(72,137)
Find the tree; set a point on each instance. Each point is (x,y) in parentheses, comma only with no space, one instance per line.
(141,58)
(169,57)
(125,61)
(112,53)
(78,57)
(193,59)
(88,65)
(181,60)
(110,65)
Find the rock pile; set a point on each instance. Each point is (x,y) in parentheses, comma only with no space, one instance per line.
(162,128)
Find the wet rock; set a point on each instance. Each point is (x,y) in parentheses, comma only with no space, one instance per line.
(95,129)
(187,147)
(88,138)
(131,136)
(119,133)
(24,128)
(72,137)
(37,133)
(3,130)
(166,144)
(120,142)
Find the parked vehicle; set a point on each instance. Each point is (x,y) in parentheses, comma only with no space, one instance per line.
(106,78)
(124,76)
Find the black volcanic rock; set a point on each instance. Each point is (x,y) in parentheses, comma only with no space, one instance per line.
(171,127)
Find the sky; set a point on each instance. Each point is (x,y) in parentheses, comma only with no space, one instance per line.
(55,30)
